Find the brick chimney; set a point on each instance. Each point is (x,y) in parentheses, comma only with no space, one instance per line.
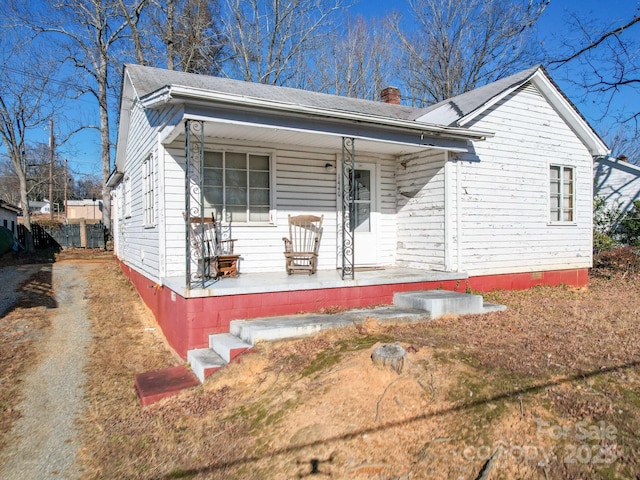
(391,95)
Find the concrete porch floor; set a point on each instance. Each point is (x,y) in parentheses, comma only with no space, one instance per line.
(269,282)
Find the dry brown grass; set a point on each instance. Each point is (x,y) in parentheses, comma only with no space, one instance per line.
(20,329)
(316,406)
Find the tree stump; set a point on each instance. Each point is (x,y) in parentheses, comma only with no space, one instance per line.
(389,356)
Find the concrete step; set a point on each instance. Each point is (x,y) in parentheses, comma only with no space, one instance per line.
(204,362)
(227,346)
(252,331)
(408,306)
(440,302)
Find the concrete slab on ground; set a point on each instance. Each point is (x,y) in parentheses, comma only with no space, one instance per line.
(440,302)
(158,384)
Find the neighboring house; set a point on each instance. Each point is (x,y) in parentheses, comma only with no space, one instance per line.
(88,209)
(9,216)
(617,181)
(490,189)
(37,206)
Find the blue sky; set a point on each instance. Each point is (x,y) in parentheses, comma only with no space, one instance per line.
(552,29)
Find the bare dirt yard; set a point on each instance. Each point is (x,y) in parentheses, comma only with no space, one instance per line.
(548,389)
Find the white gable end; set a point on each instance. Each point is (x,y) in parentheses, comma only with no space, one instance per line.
(504,191)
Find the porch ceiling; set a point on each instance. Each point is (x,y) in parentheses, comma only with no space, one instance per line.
(225,131)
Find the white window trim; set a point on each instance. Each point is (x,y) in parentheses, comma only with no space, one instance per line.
(272,175)
(562,167)
(148,193)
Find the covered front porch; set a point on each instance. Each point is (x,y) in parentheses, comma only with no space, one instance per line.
(312,171)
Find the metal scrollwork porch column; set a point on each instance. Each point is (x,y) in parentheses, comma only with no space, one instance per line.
(194,175)
(348,192)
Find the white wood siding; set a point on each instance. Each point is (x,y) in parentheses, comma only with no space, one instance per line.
(302,185)
(388,206)
(139,246)
(505,191)
(421,211)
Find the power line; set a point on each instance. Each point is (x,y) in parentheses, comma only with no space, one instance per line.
(52,80)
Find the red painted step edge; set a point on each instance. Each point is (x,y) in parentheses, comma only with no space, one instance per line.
(158,384)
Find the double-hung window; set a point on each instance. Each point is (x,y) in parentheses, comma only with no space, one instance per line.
(561,193)
(148,182)
(237,186)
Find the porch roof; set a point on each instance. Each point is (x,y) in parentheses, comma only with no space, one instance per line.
(271,282)
(298,132)
(272,115)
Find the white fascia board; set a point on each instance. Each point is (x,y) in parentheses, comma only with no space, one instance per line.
(167,94)
(419,147)
(127,100)
(567,111)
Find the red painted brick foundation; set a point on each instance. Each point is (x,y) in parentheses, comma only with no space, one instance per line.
(186,323)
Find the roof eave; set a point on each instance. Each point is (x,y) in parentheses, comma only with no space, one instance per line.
(176,93)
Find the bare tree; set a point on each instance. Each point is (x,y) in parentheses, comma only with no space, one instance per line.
(186,35)
(360,61)
(26,104)
(44,180)
(198,41)
(89,31)
(88,187)
(458,45)
(9,183)
(624,145)
(132,17)
(608,59)
(269,40)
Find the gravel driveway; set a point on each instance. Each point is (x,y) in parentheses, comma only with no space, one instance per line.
(44,442)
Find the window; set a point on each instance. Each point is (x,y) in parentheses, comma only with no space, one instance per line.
(148,181)
(561,193)
(237,186)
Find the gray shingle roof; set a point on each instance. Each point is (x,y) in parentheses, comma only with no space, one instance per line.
(147,80)
(449,111)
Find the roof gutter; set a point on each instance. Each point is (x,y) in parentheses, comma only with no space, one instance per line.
(114,178)
(170,93)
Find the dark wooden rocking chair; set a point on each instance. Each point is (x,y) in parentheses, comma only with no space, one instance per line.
(301,248)
(226,262)
(211,251)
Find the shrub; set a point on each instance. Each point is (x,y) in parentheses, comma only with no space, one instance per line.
(605,225)
(628,229)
